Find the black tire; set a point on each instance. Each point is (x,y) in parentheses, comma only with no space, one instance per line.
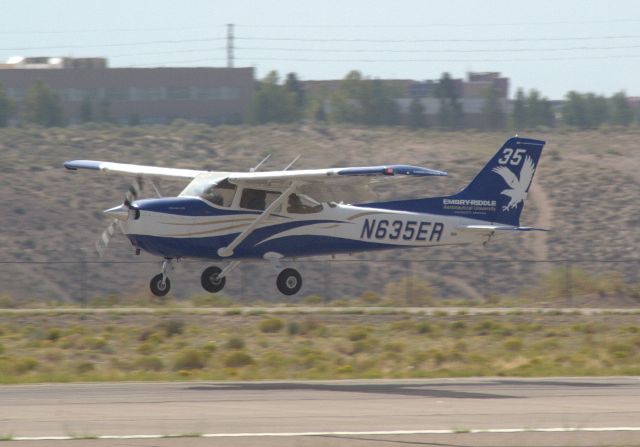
(158,286)
(210,281)
(289,282)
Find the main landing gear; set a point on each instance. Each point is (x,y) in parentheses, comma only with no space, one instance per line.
(213,279)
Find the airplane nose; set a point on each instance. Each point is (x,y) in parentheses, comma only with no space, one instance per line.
(120,212)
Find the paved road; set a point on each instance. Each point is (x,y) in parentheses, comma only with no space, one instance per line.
(369,410)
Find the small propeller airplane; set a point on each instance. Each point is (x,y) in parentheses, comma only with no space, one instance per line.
(272,215)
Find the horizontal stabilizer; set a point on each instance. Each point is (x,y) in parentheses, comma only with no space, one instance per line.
(498,228)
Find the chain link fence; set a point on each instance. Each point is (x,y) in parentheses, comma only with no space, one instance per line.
(399,281)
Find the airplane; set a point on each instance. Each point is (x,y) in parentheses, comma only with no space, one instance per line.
(235,216)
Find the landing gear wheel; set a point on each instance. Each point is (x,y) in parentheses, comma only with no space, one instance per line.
(210,279)
(160,285)
(289,281)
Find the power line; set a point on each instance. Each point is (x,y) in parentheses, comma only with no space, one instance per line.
(250,60)
(432,40)
(413,51)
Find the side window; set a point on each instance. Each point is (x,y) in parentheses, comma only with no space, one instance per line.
(257,199)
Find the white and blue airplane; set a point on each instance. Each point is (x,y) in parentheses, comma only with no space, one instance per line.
(272,215)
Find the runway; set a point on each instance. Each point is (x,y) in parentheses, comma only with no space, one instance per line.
(487,411)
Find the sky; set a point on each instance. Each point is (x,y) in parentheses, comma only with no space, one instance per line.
(553,46)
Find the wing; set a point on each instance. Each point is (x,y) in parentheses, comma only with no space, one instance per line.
(128,169)
(337,184)
(508,176)
(526,173)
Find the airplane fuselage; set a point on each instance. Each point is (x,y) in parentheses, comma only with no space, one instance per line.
(190,227)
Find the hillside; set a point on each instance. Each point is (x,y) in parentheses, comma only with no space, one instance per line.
(586,190)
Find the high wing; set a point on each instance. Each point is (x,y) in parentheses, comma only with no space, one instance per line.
(129,169)
(322,184)
(330,184)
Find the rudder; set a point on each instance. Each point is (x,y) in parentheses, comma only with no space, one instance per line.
(501,187)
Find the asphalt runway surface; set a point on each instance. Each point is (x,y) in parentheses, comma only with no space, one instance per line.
(439,412)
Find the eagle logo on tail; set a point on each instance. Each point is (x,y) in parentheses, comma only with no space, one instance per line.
(519,186)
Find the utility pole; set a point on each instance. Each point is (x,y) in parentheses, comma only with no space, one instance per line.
(230,45)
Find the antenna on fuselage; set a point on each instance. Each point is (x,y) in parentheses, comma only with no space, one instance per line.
(293,162)
(255,168)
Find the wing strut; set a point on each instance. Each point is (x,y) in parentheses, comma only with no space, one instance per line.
(227,251)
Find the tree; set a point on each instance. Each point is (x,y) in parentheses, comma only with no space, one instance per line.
(585,111)
(519,116)
(7,108)
(86,110)
(364,101)
(450,115)
(621,113)
(417,116)
(43,106)
(273,102)
(294,86)
(493,117)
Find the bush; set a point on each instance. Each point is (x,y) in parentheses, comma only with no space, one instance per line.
(24,365)
(150,363)
(513,344)
(238,359)
(235,343)
(172,327)
(271,325)
(84,367)
(358,333)
(188,359)
(293,328)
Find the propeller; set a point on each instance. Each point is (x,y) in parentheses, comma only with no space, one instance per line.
(120,214)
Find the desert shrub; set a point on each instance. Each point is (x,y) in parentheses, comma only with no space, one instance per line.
(210,347)
(53,334)
(238,360)
(271,325)
(150,363)
(513,344)
(84,367)
(172,327)
(293,328)
(24,365)
(358,333)
(188,359)
(424,327)
(235,343)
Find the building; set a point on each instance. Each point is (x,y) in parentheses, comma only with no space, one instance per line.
(134,95)
(471,92)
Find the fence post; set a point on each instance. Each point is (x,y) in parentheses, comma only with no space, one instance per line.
(568,283)
(83,280)
(327,281)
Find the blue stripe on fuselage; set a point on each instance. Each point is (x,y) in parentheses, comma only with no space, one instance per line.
(290,246)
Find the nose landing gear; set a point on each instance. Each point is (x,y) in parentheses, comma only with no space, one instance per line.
(160,284)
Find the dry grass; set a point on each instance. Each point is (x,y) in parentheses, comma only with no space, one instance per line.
(37,348)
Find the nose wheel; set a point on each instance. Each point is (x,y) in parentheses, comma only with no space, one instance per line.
(289,281)
(160,285)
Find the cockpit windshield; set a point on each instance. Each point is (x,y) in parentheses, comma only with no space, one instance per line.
(219,193)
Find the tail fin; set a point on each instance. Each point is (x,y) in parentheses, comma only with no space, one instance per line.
(498,192)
